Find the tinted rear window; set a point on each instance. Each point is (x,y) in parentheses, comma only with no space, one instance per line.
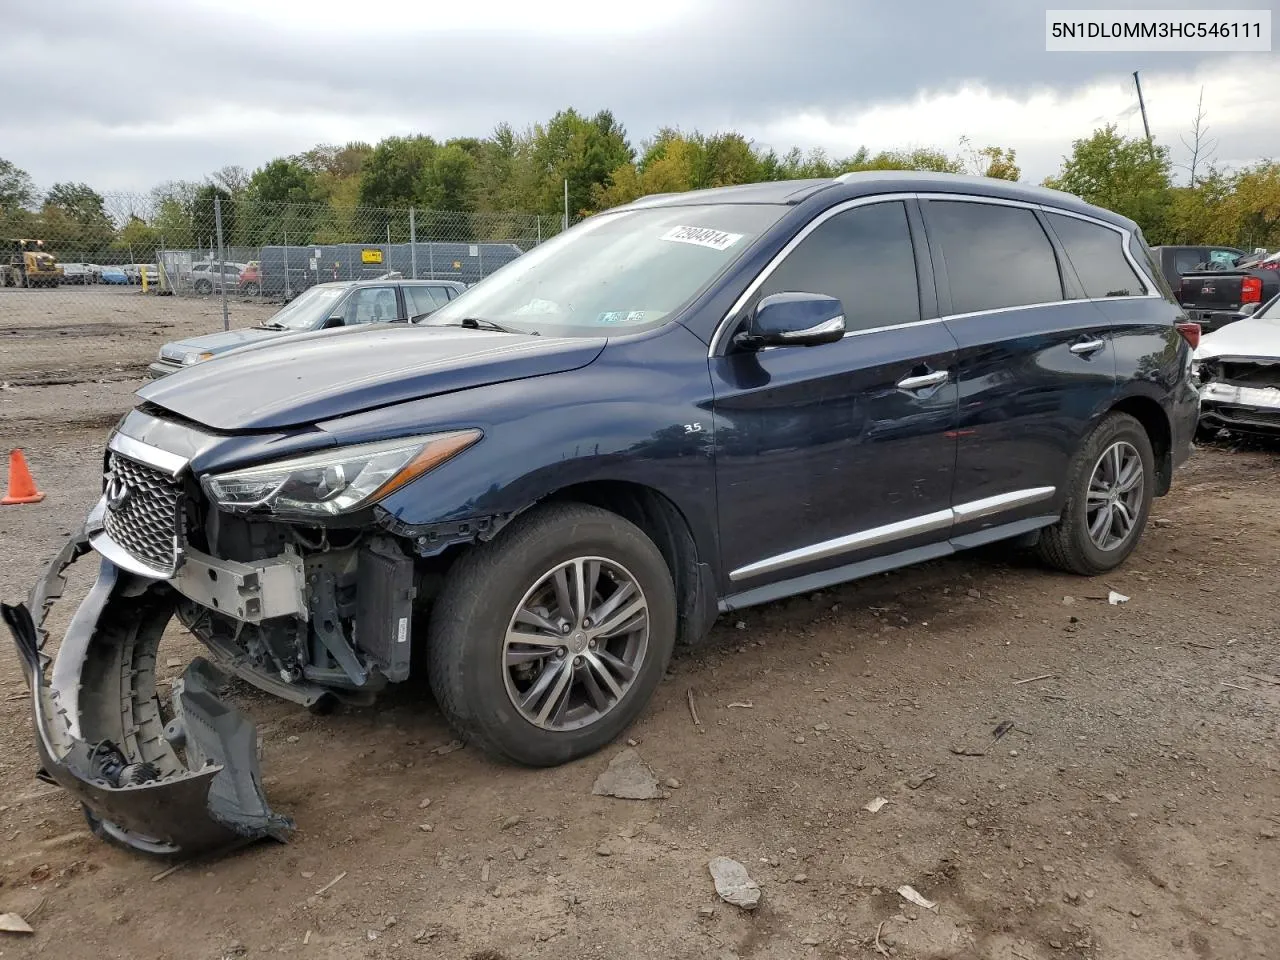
(996,256)
(1097,254)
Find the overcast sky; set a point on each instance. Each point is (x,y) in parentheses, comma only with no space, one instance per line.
(128,93)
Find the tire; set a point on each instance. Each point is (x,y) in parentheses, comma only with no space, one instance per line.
(203,287)
(1068,544)
(467,657)
(251,289)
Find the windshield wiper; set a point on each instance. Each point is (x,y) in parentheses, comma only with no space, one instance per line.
(476,323)
(272,326)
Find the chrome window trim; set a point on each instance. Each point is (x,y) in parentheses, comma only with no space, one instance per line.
(1125,237)
(719,337)
(875,536)
(170,463)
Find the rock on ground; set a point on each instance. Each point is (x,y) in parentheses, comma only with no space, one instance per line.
(629,778)
(733,883)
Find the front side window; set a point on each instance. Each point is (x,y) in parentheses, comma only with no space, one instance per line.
(1097,254)
(996,256)
(616,272)
(864,258)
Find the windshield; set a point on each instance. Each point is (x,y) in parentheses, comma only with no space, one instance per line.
(309,310)
(615,273)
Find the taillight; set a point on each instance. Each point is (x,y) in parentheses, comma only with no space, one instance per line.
(1190,333)
(1250,290)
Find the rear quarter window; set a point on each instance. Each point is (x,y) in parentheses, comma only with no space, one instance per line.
(1097,254)
(996,256)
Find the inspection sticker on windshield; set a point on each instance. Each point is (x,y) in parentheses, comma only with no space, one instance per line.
(702,237)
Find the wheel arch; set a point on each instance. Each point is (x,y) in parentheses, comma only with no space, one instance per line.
(1155,421)
(663,522)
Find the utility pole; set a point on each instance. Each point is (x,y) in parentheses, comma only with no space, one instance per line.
(413,245)
(1143,107)
(217,223)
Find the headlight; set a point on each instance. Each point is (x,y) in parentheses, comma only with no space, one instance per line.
(196,357)
(336,481)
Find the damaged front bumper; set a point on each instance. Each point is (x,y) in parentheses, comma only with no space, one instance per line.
(1252,409)
(176,781)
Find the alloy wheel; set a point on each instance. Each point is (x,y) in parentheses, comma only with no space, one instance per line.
(576,643)
(1114,501)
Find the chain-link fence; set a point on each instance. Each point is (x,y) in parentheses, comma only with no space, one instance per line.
(89,285)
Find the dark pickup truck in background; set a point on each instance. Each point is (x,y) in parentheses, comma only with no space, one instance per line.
(1175,262)
(1214,298)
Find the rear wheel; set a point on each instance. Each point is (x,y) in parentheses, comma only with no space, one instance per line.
(1110,486)
(548,642)
(251,289)
(203,287)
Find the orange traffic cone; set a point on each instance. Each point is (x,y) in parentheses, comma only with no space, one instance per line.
(22,488)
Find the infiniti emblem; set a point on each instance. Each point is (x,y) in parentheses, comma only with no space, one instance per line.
(117,490)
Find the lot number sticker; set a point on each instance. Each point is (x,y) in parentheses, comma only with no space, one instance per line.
(702,237)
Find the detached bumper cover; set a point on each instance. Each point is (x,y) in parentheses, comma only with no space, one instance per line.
(187,786)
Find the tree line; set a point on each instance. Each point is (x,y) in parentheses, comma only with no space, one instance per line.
(512,183)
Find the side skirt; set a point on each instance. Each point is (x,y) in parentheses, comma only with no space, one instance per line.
(869,568)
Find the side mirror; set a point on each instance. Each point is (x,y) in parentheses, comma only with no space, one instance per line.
(333,322)
(793,320)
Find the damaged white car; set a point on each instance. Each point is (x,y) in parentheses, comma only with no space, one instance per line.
(1237,369)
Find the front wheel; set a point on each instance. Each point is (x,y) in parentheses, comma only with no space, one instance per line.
(547,642)
(251,289)
(203,287)
(1110,486)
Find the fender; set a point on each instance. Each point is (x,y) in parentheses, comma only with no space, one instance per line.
(652,427)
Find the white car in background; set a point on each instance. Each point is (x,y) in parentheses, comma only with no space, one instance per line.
(1237,370)
(77,273)
(206,278)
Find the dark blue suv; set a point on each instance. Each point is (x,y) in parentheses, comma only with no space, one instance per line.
(681,407)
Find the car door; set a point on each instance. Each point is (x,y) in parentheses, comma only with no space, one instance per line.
(375,304)
(835,454)
(424,299)
(1036,362)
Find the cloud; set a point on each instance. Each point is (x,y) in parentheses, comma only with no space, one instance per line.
(131,93)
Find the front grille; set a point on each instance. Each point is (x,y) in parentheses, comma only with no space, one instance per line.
(142,511)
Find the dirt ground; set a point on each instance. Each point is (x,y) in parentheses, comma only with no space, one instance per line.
(84,334)
(1132,813)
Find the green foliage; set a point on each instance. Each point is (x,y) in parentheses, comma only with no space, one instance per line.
(481,188)
(1124,174)
(1253,205)
(74,219)
(284,181)
(17,189)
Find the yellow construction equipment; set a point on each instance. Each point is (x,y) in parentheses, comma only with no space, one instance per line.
(29,265)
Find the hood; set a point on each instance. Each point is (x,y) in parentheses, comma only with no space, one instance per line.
(226,340)
(1251,337)
(318,376)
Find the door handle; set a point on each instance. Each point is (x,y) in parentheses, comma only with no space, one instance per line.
(924,380)
(1087,348)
